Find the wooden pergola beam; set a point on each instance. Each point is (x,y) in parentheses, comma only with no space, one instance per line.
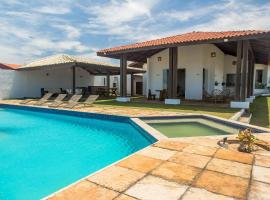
(172,82)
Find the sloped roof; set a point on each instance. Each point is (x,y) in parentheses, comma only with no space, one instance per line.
(9,66)
(186,38)
(64,60)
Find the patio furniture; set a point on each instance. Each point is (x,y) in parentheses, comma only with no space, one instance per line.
(151,96)
(113,91)
(101,91)
(58,100)
(90,100)
(207,96)
(73,101)
(41,101)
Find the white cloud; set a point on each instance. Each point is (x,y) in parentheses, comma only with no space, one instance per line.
(55,10)
(70,31)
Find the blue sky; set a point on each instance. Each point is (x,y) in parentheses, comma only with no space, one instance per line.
(33,29)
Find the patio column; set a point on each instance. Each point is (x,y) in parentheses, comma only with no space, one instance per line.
(73,79)
(123,80)
(244,72)
(252,76)
(132,84)
(249,78)
(238,70)
(108,83)
(172,82)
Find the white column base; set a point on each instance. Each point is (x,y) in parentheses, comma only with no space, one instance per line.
(249,99)
(172,101)
(253,97)
(239,104)
(123,99)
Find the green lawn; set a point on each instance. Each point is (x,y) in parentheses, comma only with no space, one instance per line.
(220,112)
(260,112)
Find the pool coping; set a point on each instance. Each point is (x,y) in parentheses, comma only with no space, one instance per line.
(140,123)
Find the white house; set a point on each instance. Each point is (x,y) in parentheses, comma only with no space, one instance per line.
(58,72)
(192,64)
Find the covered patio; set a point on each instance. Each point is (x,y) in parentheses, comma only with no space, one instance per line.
(249,48)
(77,66)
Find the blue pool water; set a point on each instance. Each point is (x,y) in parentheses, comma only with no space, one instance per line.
(42,152)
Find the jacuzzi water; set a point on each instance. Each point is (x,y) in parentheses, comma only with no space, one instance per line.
(41,152)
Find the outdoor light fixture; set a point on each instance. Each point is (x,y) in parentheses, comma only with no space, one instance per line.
(234,62)
(226,40)
(159,58)
(47,74)
(213,54)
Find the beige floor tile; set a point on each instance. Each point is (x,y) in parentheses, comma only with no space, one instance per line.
(201,150)
(85,190)
(179,173)
(261,174)
(125,197)
(263,161)
(230,167)
(202,194)
(140,163)
(190,159)
(172,145)
(223,184)
(158,153)
(154,188)
(234,156)
(259,191)
(116,178)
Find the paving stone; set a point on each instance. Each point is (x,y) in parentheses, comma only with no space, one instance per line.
(261,174)
(158,153)
(263,161)
(223,184)
(190,159)
(230,167)
(85,190)
(179,173)
(140,163)
(259,191)
(116,178)
(154,188)
(234,156)
(202,194)
(201,150)
(125,197)
(172,145)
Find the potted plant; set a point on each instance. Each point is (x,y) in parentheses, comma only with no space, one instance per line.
(216,83)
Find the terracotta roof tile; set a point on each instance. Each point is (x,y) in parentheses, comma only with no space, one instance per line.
(184,38)
(9,66)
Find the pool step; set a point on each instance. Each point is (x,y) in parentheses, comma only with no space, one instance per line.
(245,118)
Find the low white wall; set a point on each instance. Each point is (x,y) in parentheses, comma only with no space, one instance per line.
(6,78)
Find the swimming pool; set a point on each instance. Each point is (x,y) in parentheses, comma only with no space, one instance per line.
(41,152)
(192,126)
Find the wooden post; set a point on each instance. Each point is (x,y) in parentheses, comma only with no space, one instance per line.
(252,76)
(172,82)
(244,72)
(249,77)
(108,83)
(238,70)
(132,84)
(73,79)
(123,76)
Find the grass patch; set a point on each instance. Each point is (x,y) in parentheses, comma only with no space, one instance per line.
(260,112)
(216,111)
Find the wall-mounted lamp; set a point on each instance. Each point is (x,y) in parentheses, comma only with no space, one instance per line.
(159,59)
(234,62)
(213,54)
(47,74)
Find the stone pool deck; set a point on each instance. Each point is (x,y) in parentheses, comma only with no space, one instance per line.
(182,168)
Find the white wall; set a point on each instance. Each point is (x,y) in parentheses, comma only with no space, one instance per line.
(192,58)
(28,83)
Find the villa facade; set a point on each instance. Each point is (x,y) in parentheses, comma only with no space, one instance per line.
(200,68)
(189,65)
